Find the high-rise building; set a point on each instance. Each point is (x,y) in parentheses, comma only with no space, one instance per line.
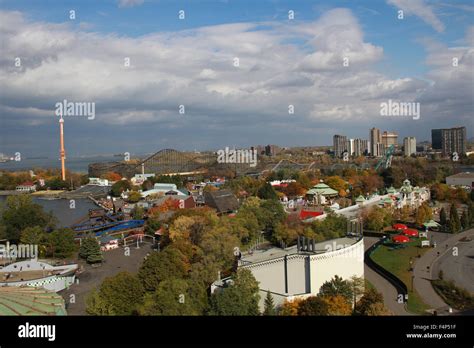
(350,146)
(436,142)
(409,146)
(339,145)
(449,140)
(360,147)
(375,139)
(272,150)
(389,138)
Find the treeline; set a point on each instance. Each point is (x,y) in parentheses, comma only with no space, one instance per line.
(26,222)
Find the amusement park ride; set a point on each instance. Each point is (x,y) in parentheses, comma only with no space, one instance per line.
(386,161)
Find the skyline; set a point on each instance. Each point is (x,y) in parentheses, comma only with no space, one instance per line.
(191,62)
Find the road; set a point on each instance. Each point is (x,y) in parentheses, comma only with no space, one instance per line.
(460,267)
(382,285)
(115,261)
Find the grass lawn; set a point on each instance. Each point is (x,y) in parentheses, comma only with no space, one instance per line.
(398,263)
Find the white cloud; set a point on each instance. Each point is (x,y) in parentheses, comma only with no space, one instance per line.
(130,3)
(195,68)
(420,9)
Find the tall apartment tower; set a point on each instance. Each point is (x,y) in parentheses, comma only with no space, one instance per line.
(360,147)
(375,139)
(339,145)
(409,146)
(449,140)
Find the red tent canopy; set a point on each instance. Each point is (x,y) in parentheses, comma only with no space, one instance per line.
(304,214)
(399,227)
(400,239)
(410,232)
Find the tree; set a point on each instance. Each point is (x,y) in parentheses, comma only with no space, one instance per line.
(33,235)
(337,287)
(454,222)
(443,219)
(338,184)
(377,218)
(338,305)
(159,266)
(290,308)
(267,192)
(172,297)
(90,250)
(377,309)
(314,305)
(138,212)
(366,304)
(358,288)
(119,187)
(269,305)
(134,197)
(239,298)
(20,212)
(465,223)
(61,243)
(121,294)
(270,214)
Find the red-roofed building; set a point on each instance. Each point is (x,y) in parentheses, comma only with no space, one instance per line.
(27,186)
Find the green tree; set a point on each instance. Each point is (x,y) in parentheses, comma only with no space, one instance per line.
(240,298)
(61,243)
(90,250)
(314,305)
(269,305)
(20,212)
(159,266)
(454,222)
(271,213)
(134,197)
(119,187)
(172,297)
(121,294)
(337,286)
(465,223)
(267,192)
(443,219)
(138,212)
(33,235)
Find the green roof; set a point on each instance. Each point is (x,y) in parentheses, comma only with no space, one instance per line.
(360,199)
(391,189)
(15,300)
(322,189)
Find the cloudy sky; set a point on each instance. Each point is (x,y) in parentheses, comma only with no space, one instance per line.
(335,63)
